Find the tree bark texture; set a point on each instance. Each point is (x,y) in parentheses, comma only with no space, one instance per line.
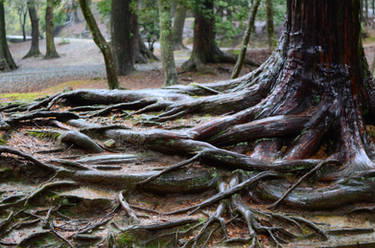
(34,49)
(6,61)
(166,44)
(50,41)
(102,44)
(123,39)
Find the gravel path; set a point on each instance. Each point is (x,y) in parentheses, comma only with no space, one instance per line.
(80,59)
(27,79)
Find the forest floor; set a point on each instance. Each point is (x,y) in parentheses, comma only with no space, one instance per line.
(37,210)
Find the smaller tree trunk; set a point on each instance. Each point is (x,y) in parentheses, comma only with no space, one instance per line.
(50,41)
(142,53)
(6,61)
(75,7)
(270,25)
(166,46)
(102,44)
(123,40)
(178,26)
(205,49)
(34,49)
(241,57)
(23,23)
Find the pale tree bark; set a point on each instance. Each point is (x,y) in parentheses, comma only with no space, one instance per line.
(34,49)
(50,41)
(103,45)
(245,41)
(6,61)
(178,26)
(166,45)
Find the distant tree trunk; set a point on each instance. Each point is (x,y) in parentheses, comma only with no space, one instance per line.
(205,49)
(103,45)
(122,37)
(245,41)
(270,27)
(23,16)
(166,46)
(50,42)
(373,8)
(6,61)
(75,7)
(142,54)
(366,10)
(178,26)
(34,49)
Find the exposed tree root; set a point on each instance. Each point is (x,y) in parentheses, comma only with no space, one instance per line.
(268,134)
(81,140)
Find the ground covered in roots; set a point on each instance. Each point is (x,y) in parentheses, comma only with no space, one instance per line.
(162,168)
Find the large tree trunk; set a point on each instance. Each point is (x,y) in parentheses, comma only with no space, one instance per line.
(166,46)
(325,52)
(123,39)
(103,45)
(50,41)
(34,49)
(178,26)
(6,61)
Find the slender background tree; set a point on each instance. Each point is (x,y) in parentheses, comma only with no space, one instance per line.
(103,45)
(166,42)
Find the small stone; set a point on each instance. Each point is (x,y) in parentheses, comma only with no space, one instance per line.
(67,89)
(109,143)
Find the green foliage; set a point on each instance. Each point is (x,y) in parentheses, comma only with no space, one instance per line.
(230,17)
(279,11)
(148,19)
(14,8)
(104,7)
